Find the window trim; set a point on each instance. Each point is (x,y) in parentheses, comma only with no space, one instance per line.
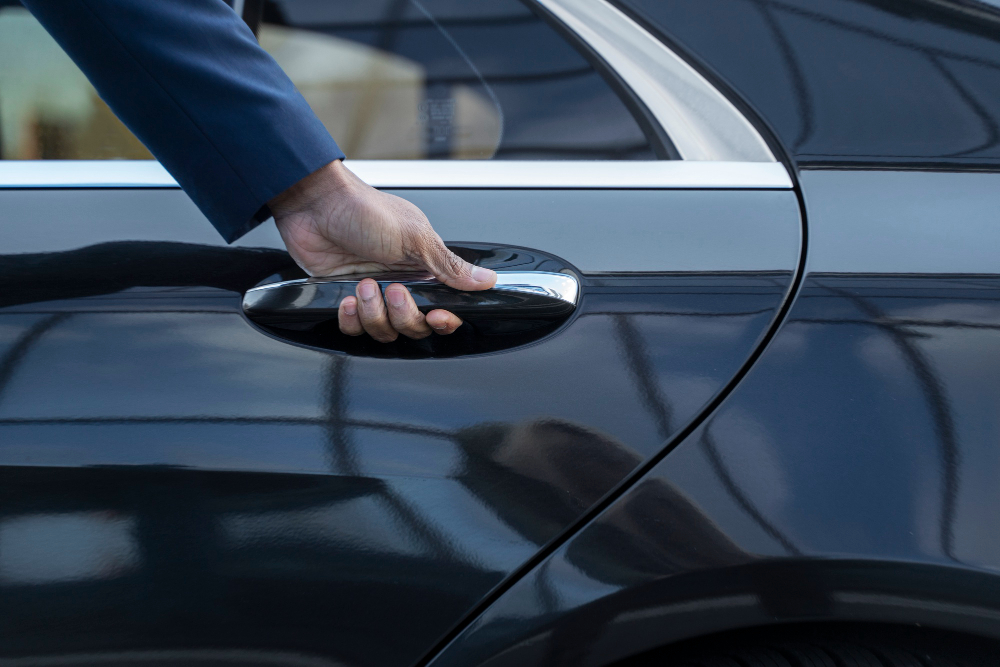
(661,145)
(719,147)
(440,174)
(701,122)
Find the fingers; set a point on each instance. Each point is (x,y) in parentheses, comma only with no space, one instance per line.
(442,322)
(451,269)
(403,314)
(347,317)
(397,314)
(371,311)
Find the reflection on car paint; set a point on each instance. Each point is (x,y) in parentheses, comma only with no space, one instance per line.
(273,487)
(853,466)
(60,547)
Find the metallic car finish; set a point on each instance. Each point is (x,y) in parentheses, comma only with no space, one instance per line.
(629,174)
(177,481)
(701,123)
(594,230)
(852,83)
(849,476)
(542,296)
(213,487)
(902,221)
(195,658)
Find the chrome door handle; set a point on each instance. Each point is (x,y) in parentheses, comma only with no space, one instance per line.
(518,295)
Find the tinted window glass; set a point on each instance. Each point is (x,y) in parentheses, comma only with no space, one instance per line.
(854,81)
(391,79)
(448,79)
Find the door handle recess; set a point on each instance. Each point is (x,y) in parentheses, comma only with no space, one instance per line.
(540,296)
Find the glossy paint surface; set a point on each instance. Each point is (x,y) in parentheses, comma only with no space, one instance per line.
(866,436)
(902,221)
(843,82)
(175,479)
(851,475)
(595,230)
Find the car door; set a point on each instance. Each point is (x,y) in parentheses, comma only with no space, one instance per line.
(180,482)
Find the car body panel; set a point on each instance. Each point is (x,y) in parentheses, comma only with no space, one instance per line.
(597,230)
(215,487)
(851,475)
(911,222)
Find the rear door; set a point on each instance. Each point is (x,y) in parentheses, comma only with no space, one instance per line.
(179,482)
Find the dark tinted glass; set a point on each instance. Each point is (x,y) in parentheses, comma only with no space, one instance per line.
(854,81)
(448,79)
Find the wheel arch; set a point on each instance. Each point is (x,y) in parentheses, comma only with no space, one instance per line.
(761,594)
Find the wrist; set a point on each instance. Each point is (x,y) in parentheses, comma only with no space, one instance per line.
(329,183)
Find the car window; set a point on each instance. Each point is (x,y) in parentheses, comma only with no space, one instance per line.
(48,109)
(448,79)
(854,82)
(390,79)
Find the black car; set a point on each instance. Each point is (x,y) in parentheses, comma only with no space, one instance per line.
(755,419)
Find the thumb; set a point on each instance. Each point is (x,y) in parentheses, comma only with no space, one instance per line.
(454,271)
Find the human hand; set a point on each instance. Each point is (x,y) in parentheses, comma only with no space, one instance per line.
(333,223)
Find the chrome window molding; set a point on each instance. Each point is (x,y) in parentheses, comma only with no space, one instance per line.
(700,121)
(459,174)
(84,174)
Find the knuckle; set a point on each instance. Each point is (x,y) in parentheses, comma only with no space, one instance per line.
(414,319)
(381,330)
(410,323)
(411,328)
(372,313)
(350,326)
(401,324)
(454,264)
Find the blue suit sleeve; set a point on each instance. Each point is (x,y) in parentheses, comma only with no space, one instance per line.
(190,81)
